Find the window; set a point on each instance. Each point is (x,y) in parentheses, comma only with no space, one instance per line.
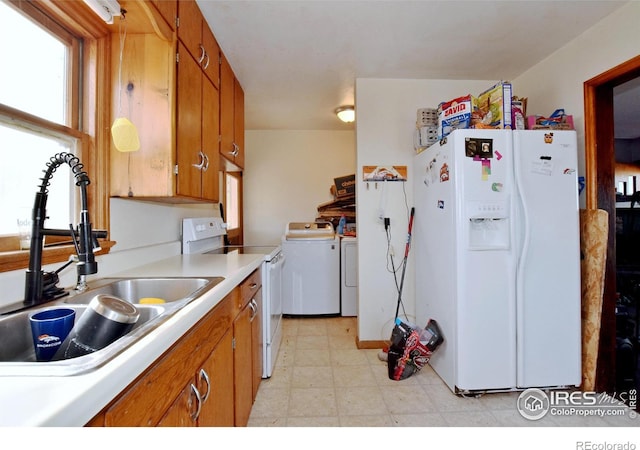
(233,206)
(25,86)
(49,86)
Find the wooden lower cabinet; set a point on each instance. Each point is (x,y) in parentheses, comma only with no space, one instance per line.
(243,366)
(207,400)
(257,341)
(210,377)
(247,355)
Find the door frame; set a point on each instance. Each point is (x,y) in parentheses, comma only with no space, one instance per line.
(600,193)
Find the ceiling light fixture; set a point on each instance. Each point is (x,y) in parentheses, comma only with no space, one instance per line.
(346,113)
(106,9)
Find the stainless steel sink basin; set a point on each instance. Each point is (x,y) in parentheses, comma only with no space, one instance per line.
(16,332)
(133,289)
(17,355)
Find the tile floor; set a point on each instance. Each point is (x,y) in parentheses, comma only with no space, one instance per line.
(322,380)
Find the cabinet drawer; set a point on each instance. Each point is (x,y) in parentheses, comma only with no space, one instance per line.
(250,286)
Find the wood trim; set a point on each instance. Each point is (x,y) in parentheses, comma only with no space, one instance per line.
(371,344)
(19,259)
(77,15)
(16,116)
(600,173)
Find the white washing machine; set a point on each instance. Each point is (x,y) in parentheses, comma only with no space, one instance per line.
(349,276)
(311,275)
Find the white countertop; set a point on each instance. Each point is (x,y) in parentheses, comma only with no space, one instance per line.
(74,400)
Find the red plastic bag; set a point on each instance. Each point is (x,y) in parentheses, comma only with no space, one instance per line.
(411,348)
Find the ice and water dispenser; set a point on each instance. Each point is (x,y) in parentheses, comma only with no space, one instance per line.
(489,225)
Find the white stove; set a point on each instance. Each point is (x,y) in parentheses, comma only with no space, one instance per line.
(205,235)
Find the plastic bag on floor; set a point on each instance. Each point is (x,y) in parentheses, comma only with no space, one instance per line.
(411,348)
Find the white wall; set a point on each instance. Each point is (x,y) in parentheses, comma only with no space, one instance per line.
(386,117)
(287,175)
(386,120)
(558,80)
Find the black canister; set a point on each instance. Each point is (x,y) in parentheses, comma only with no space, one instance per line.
(106,319)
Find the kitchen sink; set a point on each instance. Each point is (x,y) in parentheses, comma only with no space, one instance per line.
(133,289)
(17,355)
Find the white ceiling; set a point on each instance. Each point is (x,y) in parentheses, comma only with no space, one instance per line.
(298,60)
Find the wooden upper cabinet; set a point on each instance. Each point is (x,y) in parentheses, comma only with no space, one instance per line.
(210,142)
(197,131)
(231,115)
(238,121)
(190,27)
(168,9)
(211,64)
(197,37)
(189,125)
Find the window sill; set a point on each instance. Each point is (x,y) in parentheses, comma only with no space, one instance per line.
(19,260)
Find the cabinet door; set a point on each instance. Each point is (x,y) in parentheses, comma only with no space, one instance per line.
(238,122)
(189,122)
(210,142)
(168,10)
(226,109)
(242,367)
(182,412)
(211,63)
(190,28)
(257,341)
(215,383)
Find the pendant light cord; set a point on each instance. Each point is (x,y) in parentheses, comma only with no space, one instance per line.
(122,33)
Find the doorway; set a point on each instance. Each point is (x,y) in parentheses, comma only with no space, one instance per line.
(600,192)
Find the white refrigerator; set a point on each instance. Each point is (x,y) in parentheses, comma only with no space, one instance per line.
(497,258)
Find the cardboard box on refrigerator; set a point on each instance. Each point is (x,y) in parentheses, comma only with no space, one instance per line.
(492,108)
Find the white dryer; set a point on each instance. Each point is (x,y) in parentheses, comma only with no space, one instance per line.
(311,276)
(349,276)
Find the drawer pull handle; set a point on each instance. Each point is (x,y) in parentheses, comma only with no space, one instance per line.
(253,286)
(254,309)
(205,377)
(194,391)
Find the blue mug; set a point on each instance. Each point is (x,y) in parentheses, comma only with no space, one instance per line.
(49,328)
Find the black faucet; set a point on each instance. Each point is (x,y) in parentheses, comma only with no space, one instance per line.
(40,287)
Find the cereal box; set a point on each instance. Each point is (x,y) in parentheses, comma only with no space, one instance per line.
(453,115)
(492,108)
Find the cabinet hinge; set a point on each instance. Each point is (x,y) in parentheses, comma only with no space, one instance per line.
(233,342)
(175,170)
(177,22)
(177,57)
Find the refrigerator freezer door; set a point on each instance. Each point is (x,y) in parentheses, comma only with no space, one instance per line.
(465,268)
(548,277)
(485,261)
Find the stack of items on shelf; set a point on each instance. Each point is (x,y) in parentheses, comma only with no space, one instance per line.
(343,204)
(495,108)
(426,132)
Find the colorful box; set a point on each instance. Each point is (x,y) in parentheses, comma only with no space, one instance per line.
(492,108)
(556,121)
(453,115)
